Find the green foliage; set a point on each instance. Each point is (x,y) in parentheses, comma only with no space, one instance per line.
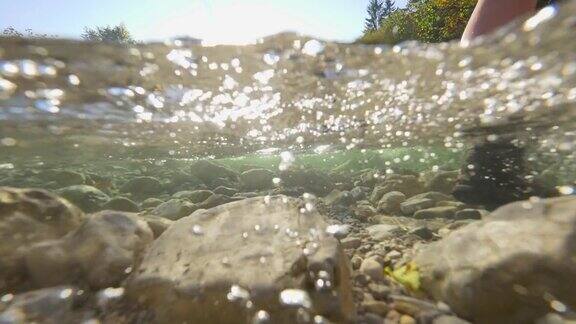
(442,20)
(112,34)
(28,33)
(387,9)
(423,20)
(399,26)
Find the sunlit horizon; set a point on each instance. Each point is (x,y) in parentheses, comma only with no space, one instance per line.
(214,22)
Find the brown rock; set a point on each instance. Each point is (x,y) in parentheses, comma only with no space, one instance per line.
(49,305)
(407,319)
(436,212)
(382,232)
(364,211)
(28,216)
(376,307)
(100,253)
(390,202)
(410,206)
(257,179)
(206,266)
(356,261)
(496,270)
(468,214)
(443,181)
(351,242)
(372,269)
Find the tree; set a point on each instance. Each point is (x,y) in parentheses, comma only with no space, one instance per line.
(387,9)
(374,10)
(399,26)
(112,34)
(441,20)
(427,21)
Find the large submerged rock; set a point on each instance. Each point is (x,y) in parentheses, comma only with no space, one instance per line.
(100,253)
(208,266)
(142,187)
(510,267)
(88,198)
(28,216)
(49,305)
(209,171)
(257,179)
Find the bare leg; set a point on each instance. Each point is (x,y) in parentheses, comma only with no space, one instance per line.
(491,14)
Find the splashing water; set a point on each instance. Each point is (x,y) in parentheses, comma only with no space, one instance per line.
(168,101)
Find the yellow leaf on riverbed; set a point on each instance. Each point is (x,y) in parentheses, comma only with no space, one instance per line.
(407,275)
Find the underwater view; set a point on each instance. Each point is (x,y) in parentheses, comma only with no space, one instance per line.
(291,180)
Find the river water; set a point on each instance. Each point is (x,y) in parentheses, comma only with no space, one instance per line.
(64,99)
(110,113)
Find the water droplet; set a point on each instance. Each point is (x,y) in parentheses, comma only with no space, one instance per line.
(264,76)
(108,295)
(28,68)
(338,230)
(302,316)
(6,298)
(8,69)
(120,92)
(238,293)
(65,293)
(312,47)
(113,292)
(47,105)
(261,317)
(73,80)
(286,160)
(558,306)
(6,88)
(566,190)
(6,166)
(296,298)
(226,261)
(8,141)
(542,16)
(271,58)
(181,57)
(197,230)
(323,281)
(47,70)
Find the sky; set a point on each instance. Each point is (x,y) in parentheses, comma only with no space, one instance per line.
(214,21)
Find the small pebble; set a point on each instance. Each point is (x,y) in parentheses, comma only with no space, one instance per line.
(376,307)
(356,262)
(372,269)
(406,319)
